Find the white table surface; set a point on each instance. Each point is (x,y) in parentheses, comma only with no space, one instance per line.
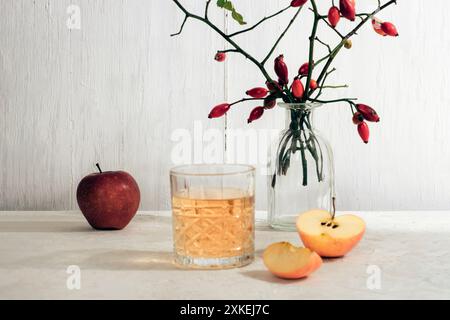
(411,250)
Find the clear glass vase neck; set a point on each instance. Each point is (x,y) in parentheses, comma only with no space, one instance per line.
(297,110)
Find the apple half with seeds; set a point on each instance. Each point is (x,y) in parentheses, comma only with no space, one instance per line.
(330,238)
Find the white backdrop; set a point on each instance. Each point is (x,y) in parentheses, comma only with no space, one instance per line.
(120,91)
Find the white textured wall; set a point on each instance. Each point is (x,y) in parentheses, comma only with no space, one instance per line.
(115,91)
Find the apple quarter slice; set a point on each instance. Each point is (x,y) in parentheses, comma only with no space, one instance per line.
(289,262)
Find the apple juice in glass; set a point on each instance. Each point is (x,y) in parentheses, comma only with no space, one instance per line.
(213,215)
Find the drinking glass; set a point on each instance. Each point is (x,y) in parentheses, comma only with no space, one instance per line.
(213,212)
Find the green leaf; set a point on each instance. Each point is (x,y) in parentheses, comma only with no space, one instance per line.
(238,17)
(228,5)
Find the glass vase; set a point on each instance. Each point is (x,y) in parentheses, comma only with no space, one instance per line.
(301,168)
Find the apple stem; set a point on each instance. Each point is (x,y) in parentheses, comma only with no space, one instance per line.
(334,208)
(98,167)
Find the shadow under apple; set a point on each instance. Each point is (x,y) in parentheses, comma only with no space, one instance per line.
(266,276)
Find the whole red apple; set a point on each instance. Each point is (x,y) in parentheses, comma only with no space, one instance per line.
(108,200)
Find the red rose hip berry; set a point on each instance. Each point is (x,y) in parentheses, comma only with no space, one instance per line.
(364,132)
(219,111)
(281,70)
(256,114)
(298,3)
(220,56)
(389,29)
(298,89)
(334,15)
(257,93)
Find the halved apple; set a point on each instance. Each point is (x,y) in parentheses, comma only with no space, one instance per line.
(289,262)
(330,237)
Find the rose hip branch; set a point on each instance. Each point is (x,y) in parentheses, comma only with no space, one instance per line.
(304,88)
